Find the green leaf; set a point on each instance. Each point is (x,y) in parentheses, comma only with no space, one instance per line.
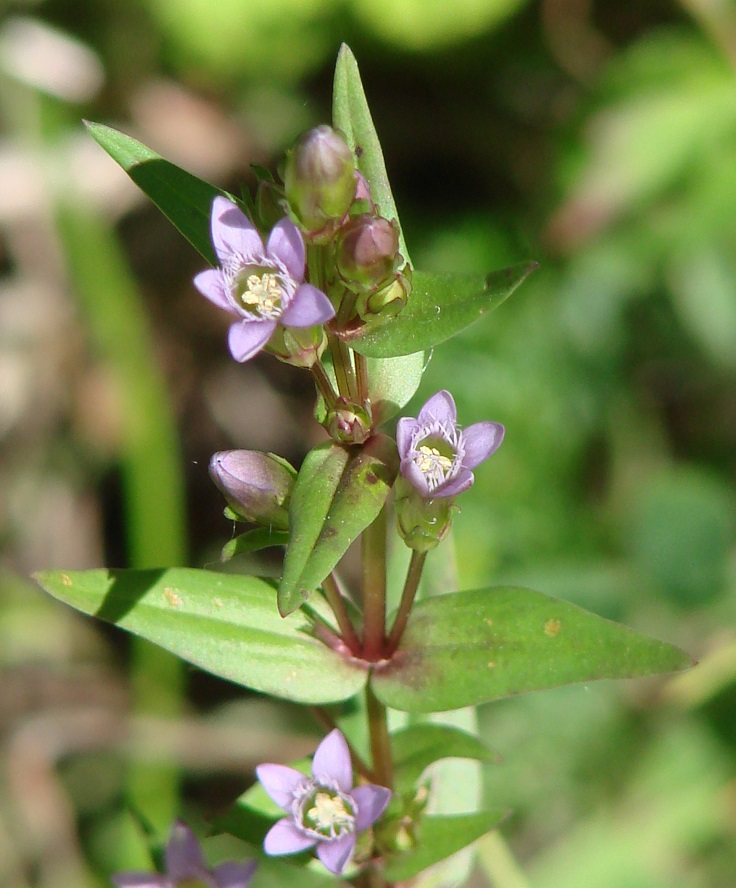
(223,623)
(438,838)
(351,114)
(440,305)
(471,647)
(254,541)
(339,491)
(418,746)
(393,383)
(183,198)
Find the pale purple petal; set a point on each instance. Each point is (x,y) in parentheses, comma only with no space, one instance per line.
(211,285)
(461,482)
(332,759)
(140,880)
(184,859)
(233,874)
(285,838)
(286,244)
(440,407)
(247,338)
(233,232)
(371,801)
(334,855)
(281,782)
(481,440)
(405,428)
(309,306)
(411,471)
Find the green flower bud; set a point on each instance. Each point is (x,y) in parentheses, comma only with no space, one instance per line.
(388,301)
(349,423)
(367,251)
(257,486)
(422,523)
(319,180)
(298,346)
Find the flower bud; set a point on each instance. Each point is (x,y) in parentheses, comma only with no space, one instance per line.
(349,423)
(386,302)
(422,523)
(319,179)
(257,486)
(298,346)
(367,251)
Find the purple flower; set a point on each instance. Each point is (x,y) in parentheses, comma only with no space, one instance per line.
(436,454)
(261,286)
(185,866)
(325,810)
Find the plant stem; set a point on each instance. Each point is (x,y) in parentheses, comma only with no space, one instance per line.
(324,717)
(324,385)
(383,766)
(361,372)
(337,603)
(374,587)
(413,576)
(343,365)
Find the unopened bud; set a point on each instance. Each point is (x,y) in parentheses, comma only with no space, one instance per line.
(386,302)
(349,423)
(257,486)
(422,523)
(319,179)
(367,251)
(298,346)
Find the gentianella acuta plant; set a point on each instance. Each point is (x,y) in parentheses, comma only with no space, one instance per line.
(314,271)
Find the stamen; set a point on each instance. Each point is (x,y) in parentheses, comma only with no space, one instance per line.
(325,813)
(262,295)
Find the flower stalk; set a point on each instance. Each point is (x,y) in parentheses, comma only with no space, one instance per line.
(411,585)
(337,603)
(374,588)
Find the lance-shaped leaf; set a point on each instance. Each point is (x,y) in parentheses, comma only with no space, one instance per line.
(253,541)
(437,838)
(183,198)
(223,623)
(417,747)
(440,305)
(471,647)
(339,491)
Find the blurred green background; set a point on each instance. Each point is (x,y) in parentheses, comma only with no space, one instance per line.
(596,137)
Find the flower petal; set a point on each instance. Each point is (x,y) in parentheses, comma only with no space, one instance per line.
(233,874)
(371,801)
(281,783)
(461,482)
(440,407)
(285,244)
(481,439)
(308,306)
(211,285)
(336,854)
(140,880)
(405,429)
(184,859)
(285,838)
(332,760)
(233,232)
(411,471)
(247,338)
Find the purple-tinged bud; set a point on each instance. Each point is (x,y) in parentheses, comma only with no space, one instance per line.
(298,346)
(319,179)
(388,301)
(367,251)
(349,423)
(257,486)
(422,523)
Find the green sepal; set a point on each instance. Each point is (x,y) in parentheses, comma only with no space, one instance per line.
(438,837)
(183,198)
(339,491)
(226,624)
(471,647)
(439,307)
(418,746)
(254,541)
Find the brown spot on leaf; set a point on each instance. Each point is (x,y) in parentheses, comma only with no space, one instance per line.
(66,580)
(172,597)
(371,478)
(491,664)
(552,627)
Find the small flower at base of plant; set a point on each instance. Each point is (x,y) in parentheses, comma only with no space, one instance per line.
(436,454)
(349,423)
(319,181)
(186,867)
(325,811)
(263,286)
(257,486)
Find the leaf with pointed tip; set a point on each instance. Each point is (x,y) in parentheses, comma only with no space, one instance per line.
(253,541)
(224,623)
(439,306)
(339,491)
(183,198)
(471,647)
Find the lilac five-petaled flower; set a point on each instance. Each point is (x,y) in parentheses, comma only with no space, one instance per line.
(325,810)
(436,454)
(261,286)
(185,866)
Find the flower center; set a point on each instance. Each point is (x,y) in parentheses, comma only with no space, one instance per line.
(260,292)
(325,812)
(436,459)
